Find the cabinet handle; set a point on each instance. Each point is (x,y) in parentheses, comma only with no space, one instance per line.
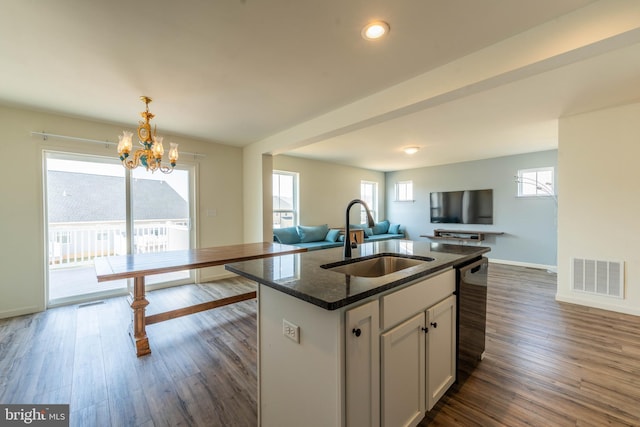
(434,324)
(357,332)
(425,330)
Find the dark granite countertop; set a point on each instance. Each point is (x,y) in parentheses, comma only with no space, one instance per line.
(301,276)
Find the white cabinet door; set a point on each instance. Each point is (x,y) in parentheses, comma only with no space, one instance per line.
(441,349)
(403,373)
(362,349)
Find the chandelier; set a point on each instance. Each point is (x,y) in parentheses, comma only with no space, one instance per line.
(150,156)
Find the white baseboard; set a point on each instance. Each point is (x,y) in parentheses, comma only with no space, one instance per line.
(214,277)
(20,311)
(549,268)
(598,304)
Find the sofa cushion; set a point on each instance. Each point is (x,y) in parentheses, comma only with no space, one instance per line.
(332,235)
(312,233)
(368,231)
(394,229)
(286,235)
(381,227)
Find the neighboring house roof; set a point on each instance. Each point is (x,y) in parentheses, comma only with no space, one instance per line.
(282,203)
(81,197)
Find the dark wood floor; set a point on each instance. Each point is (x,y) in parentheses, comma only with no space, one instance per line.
(546,364)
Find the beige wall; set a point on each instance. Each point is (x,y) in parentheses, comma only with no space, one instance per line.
(327,188)
(599,200)
(22,255)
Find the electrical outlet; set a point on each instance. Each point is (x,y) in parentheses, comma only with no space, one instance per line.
(290,330)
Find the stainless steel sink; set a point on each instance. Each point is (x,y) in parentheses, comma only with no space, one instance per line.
(376,266)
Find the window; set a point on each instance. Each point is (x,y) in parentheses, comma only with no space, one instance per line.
(535,182)
(285,199)
(404,191)
(369,194)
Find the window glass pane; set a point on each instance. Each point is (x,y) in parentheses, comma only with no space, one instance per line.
(85,220)
(368,194)
(404,191)
(161,216)
(285,188)
(536,182)
(529,183)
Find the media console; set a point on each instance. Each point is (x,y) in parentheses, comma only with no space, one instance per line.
(462,235)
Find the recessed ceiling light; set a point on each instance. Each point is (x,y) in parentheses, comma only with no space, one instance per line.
(411,150)
(375,30)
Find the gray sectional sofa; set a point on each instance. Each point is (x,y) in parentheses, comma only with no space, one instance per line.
(322,237)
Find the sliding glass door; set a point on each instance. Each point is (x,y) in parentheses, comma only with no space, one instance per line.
(161,216)
(87,216)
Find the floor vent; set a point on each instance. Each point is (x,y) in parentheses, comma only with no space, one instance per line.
(89,304)
(598,277)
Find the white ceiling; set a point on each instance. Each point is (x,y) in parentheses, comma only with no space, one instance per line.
(244,71)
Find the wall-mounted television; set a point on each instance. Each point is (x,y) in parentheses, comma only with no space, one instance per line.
(463,207)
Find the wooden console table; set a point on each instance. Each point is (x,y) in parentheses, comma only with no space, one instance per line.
(356,234)
(138,266)
(463,235)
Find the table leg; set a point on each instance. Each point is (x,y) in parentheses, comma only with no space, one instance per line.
(137,330)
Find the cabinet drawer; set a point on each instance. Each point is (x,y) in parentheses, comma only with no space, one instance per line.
(399,305)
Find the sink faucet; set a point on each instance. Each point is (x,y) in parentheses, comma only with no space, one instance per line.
(347,235)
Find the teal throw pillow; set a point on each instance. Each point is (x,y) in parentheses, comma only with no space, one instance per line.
(381,227)
(332,235)
(314,233)
(394,228)
(286,236)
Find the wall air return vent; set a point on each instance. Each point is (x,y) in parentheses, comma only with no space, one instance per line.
(598,277)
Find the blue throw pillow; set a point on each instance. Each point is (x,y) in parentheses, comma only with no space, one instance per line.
(368,231)
(314,233)
(286,236)
(394,228)
(332,235)
(381,227)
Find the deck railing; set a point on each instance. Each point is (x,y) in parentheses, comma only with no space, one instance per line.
(75,244)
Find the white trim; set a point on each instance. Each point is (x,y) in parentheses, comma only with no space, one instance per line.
(549,268)
(29,309)
(596,304)
(214,277)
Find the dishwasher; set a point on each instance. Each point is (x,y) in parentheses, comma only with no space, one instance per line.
(471,291)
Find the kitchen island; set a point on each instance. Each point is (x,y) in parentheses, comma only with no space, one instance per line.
(338,349)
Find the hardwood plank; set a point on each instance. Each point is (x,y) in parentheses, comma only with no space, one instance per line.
(546,362)
(89,388)
(95,415)
(131,410)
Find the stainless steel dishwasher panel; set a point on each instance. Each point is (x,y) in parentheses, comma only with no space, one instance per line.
(471,289)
